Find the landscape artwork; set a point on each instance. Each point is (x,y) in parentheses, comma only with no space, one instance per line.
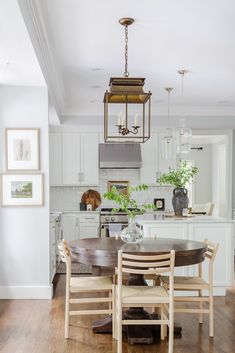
(21,189)
(122,186)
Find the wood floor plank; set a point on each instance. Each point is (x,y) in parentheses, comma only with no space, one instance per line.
(37,326)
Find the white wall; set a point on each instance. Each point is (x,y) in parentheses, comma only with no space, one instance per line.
(220,182)
(24,231)
(202,160)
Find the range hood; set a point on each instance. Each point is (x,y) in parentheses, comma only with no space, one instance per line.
(120,156)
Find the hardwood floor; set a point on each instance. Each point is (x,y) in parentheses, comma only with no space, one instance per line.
(37,326)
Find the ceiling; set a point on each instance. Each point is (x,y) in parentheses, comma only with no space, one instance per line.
(18,62)
(80,45)
(167,35)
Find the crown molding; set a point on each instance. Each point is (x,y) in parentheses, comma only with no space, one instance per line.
(34,15)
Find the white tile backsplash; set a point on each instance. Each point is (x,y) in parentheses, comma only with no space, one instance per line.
(68,197)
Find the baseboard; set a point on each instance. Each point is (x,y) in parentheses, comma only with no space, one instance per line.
(26,292)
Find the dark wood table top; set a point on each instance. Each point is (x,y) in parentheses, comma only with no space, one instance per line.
(103,251)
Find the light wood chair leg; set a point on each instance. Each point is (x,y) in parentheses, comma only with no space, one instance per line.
(211,314)
(66,323)
(162,326)
(110,303)
(201,307)
(119,330)
(171,329)
(114,313)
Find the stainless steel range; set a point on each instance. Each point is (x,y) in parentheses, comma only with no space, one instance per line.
(108,217)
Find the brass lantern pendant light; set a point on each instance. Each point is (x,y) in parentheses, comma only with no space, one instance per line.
(126,105)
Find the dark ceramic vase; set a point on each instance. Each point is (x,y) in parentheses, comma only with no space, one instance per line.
(180,200)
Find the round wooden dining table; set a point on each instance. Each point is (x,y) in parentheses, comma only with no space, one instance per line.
(103,252)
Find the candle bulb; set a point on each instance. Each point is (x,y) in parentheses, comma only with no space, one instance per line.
(136,120)
(123,121)
(119,119)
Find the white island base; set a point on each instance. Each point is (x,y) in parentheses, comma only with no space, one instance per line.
(198,228)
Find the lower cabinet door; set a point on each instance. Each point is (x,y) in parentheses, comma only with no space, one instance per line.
(88,231)
(70,226)
(223,269)
(174,231)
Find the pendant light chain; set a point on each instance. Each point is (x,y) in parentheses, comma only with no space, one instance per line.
(168,119)
(126,73)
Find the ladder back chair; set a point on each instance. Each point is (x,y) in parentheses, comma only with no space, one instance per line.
(101,285)
(197,284)
(145,296)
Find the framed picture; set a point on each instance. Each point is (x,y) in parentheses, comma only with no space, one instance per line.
(22,189)
(160,204)
(22,149)
(120,185)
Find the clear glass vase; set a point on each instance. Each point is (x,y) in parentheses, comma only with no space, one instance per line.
(132,233)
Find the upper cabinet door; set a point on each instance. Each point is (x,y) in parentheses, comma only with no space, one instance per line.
(71,146)
(89,159)
(165,164)
(55,152)
(149,152)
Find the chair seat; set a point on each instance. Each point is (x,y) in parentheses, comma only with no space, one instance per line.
(185,282)
(90,283)
(144,294)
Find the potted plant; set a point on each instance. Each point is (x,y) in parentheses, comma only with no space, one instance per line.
(130,234)
(179,178)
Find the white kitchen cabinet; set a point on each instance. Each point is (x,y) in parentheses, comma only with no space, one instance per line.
(164,164)
(149,153)
(223,266)
(89,225)
(70,226)
(174,231)
(89,159)
(88,230)
(55,153)
(71,160)
(216,230)
(74,159)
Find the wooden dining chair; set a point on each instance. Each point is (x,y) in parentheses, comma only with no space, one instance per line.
(101,289)
(196,284)
(145,296)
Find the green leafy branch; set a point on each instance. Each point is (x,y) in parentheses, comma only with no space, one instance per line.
(126,202)
(179,177)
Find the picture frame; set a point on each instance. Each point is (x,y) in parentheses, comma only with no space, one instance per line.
(160,204)
(22,149)
(121,185)
(20,190)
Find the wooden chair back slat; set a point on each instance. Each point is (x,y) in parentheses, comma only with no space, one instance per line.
(146,264)
(161,263)
(145,257)
(145,272)
(211,250)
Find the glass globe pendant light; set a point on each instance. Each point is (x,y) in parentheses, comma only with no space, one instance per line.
(183,133)
(167,142)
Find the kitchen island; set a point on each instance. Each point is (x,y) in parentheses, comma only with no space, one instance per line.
(216,230)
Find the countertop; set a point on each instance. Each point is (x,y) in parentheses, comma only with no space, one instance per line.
(154,218)
(74,211)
